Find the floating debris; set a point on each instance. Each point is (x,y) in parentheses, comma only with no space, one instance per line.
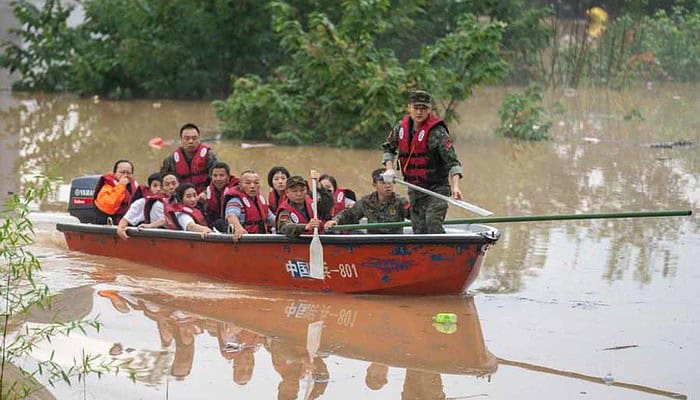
(670,145)
(629,346)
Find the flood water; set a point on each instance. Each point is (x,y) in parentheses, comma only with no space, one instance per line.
(603,309)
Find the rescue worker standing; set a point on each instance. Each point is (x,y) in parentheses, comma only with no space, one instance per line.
(192,162)
(382,205)
(426,159)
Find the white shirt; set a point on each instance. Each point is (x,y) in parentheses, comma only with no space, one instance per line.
(184,220)
(134,215)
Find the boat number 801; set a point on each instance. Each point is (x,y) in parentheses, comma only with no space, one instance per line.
(347,270)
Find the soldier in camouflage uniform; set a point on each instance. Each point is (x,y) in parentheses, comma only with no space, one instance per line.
(382,205)
(295,215)
(427,159)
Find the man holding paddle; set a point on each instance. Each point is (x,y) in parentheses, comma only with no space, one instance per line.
(427,160)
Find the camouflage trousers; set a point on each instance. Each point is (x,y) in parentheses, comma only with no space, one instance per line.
(427,212)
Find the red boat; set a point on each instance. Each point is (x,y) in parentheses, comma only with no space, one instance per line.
(381,264)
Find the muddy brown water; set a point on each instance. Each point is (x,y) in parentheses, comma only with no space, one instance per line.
(603,309)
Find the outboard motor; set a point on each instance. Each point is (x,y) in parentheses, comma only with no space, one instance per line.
(80,203)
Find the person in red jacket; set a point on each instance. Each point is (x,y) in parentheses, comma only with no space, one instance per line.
(247,210)
(295,216)
(113,193)
(342,198)
(426,159)
(277,179)
(213,197)
(192,162)
(184,215)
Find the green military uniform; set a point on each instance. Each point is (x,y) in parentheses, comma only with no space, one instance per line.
(285,224)
(393,209)
(428,212)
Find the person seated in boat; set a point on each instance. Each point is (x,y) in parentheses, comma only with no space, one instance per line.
(148,212)
(113,193)
(295,216)
(184,215)
(382,205)
(247,210)
(213,197)
(192,162)
(277,179)
(342,198)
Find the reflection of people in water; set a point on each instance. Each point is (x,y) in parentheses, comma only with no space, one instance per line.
(292,363)
(422,385)
(376,376)
(185,329)
(238,345)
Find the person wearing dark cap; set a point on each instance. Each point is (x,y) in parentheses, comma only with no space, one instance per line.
(382,205)
(295,215)
(426,159)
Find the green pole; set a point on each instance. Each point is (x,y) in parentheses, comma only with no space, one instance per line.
(526,218)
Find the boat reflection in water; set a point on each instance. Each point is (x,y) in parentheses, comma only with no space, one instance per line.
(301,330)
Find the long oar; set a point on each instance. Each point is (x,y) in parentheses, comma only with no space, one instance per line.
(316,249)
(389,177)
(526,218)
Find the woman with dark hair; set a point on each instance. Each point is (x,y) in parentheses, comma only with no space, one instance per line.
(113,193)
(277,179)
(185,215)
(342,198)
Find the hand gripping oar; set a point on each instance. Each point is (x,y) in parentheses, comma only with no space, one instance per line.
(390,176)
(316,249)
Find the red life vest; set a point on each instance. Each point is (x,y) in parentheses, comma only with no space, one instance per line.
(339,200)
(274,200)
(297,217)
(196,172)
(111,180)
(417,165)
(148,206)
(171,219)
(255,212)
(215,203)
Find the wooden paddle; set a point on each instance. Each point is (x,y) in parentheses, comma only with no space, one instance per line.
(316,249)
(390,176)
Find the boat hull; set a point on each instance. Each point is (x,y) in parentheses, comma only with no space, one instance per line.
(380,264)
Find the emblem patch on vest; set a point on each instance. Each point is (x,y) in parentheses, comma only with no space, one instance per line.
(401,133)
(203,152)
(294,218)
(340,197)
(246,202)
(421,135)
(176,157)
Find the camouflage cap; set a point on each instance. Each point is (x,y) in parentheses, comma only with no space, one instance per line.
(296,180)
(420,97)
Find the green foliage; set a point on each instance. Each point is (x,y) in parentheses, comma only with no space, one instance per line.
(522,117)
(340,88)
(149,48)
(45,63)
(20,291)
(674,39)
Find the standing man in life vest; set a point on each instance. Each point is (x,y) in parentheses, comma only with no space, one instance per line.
(426,159)
(192,162)
(247,210)
(113,193)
